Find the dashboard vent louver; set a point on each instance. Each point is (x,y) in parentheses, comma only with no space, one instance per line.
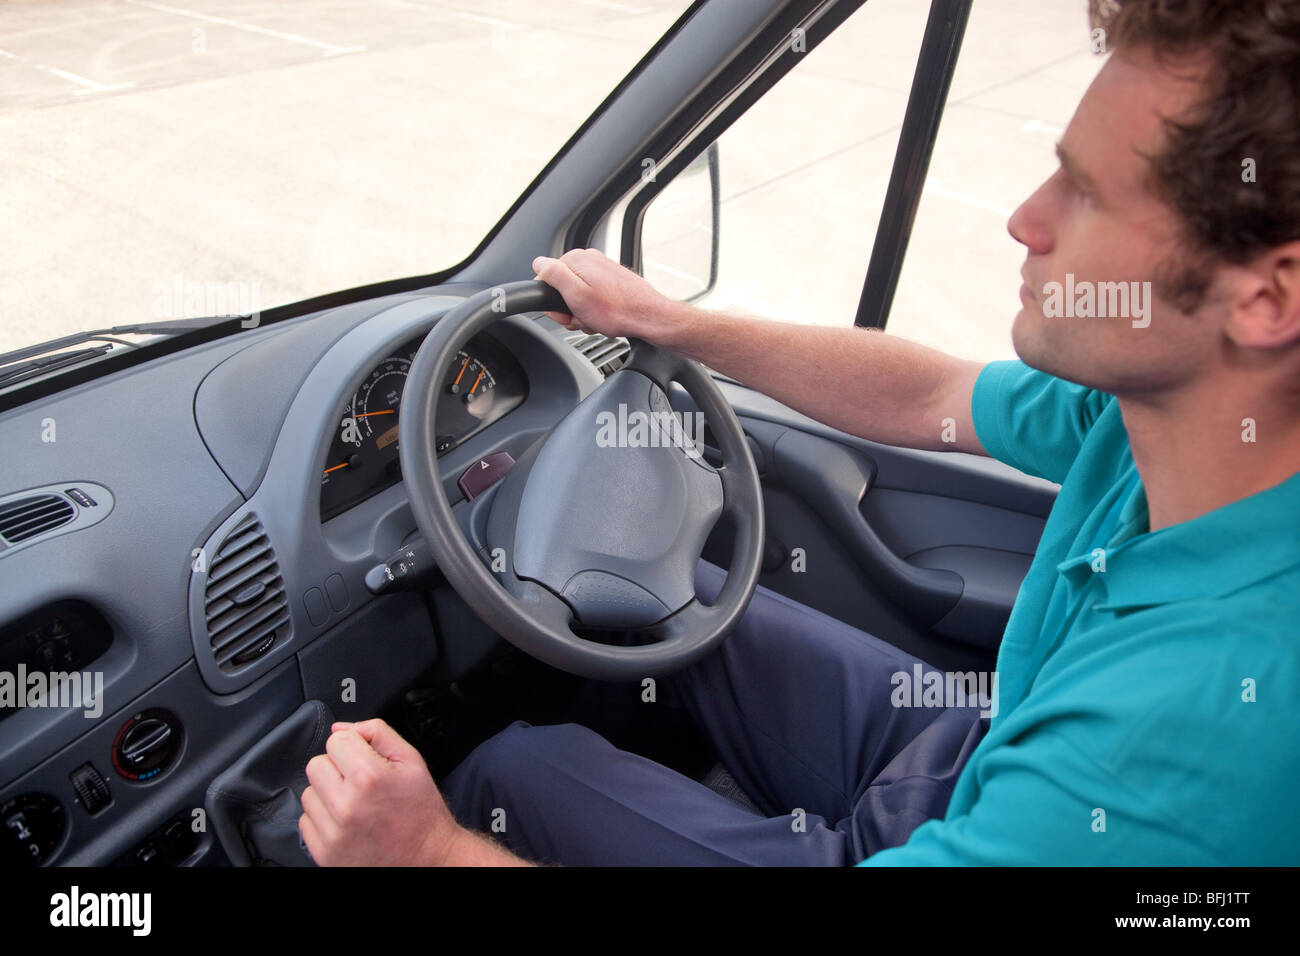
(28,517)
(607,354)
(244,602)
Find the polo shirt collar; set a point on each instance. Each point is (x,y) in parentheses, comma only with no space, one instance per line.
(1215,554)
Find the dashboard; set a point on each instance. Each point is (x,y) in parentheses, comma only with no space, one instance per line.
(182,474)
(482,385)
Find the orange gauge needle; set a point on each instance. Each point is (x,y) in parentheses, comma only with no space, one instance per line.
(352,462)
(387,411)
(460,373)
(476,381)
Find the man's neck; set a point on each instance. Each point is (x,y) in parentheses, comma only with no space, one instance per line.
(1194,450)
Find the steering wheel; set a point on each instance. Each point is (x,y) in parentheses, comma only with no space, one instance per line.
(602,521)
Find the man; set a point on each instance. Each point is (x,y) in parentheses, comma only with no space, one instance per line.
(1150,669)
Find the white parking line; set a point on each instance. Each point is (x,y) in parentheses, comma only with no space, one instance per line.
(933,186)
(90,86)
(490,21)
(59,27)
(327,49)
(676,273)
(1038,126)
(607,5)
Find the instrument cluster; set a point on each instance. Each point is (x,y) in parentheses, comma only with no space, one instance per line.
(483,384)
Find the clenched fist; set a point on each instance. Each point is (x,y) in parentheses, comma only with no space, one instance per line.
(372,802)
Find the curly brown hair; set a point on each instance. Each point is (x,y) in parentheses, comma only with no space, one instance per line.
(1250,112)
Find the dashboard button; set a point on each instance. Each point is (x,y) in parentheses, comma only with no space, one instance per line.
(484,473)
(314,601)
(80,497)
(176,834)
(337,591)
(147,854)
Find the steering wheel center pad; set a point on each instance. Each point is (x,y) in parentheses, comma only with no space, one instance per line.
(617,507)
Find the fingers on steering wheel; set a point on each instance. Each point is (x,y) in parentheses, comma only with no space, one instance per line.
(571,261)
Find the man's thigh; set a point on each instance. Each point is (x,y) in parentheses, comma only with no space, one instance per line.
(564,794)
(801,709)
(797,705)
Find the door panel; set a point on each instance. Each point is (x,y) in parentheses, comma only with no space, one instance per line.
(925,550)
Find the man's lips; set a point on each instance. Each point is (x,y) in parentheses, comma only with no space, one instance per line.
(1026,296)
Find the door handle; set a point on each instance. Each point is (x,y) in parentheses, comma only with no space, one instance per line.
(833,479)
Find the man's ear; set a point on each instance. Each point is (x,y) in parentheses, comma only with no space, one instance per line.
(1266,300)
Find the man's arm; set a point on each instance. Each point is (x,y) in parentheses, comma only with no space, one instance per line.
(866,383)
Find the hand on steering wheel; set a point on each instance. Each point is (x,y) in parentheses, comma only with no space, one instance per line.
(603,520)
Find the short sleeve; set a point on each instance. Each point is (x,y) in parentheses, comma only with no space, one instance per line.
(1031,420)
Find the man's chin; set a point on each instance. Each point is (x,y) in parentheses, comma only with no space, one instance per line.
(1035,348)
(1027,337)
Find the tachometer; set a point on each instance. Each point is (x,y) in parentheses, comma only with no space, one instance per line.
(483,383)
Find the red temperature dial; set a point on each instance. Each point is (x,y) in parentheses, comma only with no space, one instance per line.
(147,744)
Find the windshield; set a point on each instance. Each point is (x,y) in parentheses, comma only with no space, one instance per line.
(220,157)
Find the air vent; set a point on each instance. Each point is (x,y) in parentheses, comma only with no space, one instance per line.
(244,603)
(28,517)
(608,355)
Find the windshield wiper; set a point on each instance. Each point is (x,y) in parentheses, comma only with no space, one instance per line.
(13,368)
(16,372)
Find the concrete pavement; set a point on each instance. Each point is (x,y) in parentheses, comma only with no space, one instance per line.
(306,146)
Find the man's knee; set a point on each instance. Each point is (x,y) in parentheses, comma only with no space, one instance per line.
(514,761)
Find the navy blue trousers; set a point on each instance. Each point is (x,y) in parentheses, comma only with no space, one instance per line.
(795,704)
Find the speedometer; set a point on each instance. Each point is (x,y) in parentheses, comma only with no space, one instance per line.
(378,400)
(483,383)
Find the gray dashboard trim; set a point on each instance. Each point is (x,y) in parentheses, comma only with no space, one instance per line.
(287,498)
(241,404)
(132,433)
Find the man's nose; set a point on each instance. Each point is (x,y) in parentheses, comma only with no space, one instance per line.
(1028,225)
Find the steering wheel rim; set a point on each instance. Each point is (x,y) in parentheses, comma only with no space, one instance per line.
(528,614)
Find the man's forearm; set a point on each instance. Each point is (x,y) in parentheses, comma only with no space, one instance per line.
(467,848)
(868,384)
(863,382)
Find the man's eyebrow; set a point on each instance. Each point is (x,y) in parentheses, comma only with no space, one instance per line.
(1074,172)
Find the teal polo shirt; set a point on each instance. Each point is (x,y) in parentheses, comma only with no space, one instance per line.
(1149,681)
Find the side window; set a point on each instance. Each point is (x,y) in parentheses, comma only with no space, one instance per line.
(802,176)
(1011,98)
